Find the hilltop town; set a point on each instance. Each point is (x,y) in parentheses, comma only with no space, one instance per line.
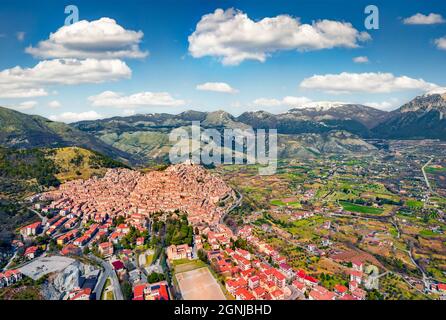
(123,192)
(322,229)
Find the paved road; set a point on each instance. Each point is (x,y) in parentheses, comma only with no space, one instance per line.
(108,273)
(425,278)
(10,260)
(100,285)
(294,293)
(44,219)
(236,204)
(425,175)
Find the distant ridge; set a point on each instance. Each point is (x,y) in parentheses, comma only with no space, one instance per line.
(18,130)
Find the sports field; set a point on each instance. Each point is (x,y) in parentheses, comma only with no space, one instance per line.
(199,284)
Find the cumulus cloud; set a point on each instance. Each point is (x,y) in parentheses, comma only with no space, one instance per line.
(361,59)
(30,82)
(441,43)
(73,116)
(216,87)
(140,99)
(419,18)
(288,101)
(99,39)
(15,91)
(364,82)
(26,105)
(54,104)
(233,37)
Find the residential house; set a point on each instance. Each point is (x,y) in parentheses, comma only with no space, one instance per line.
(182,251)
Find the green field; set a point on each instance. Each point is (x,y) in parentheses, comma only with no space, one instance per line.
(415,204)
(278,203)
(433,170)
(348,206)
(429,233)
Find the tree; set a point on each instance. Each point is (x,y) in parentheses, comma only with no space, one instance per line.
(241,243)
(126,289)
(203,256)
(155,277)
(119,220)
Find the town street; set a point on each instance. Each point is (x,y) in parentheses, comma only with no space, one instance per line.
(108,272)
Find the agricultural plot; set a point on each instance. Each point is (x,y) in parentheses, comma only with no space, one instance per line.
(348,206)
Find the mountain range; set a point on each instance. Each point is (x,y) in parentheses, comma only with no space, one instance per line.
(18,130)
(315,129)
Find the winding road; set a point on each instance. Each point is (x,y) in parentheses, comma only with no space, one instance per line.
(425,175)
(108,272)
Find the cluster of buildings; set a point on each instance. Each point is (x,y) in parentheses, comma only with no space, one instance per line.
(247,276)
(264,274)
(31,230)
(185,187)
(154,291)
(73,233)
(9,277)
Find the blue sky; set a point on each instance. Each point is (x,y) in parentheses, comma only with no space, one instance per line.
(259,70)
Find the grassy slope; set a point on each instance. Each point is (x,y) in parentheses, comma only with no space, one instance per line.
(18,130)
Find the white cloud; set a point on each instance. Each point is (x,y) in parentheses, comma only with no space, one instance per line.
(73,116)
(438,90)
(140,99)
(99,39)
(128,112)
(54,104)
(30,82)
(364,82)
(361,59)
(288,101)
(233,37)
(441,43)
(11,91)
(20,36)
(216,87)
(419,18)
(26,105)
(384,105)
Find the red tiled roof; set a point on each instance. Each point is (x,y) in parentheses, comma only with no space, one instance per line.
(355,273)
(138,290)
(30,250)
(163,293)
(104,245)
(321,293)
(118,265)
(34,225)
(340,288)
(86,291)
(245,294)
